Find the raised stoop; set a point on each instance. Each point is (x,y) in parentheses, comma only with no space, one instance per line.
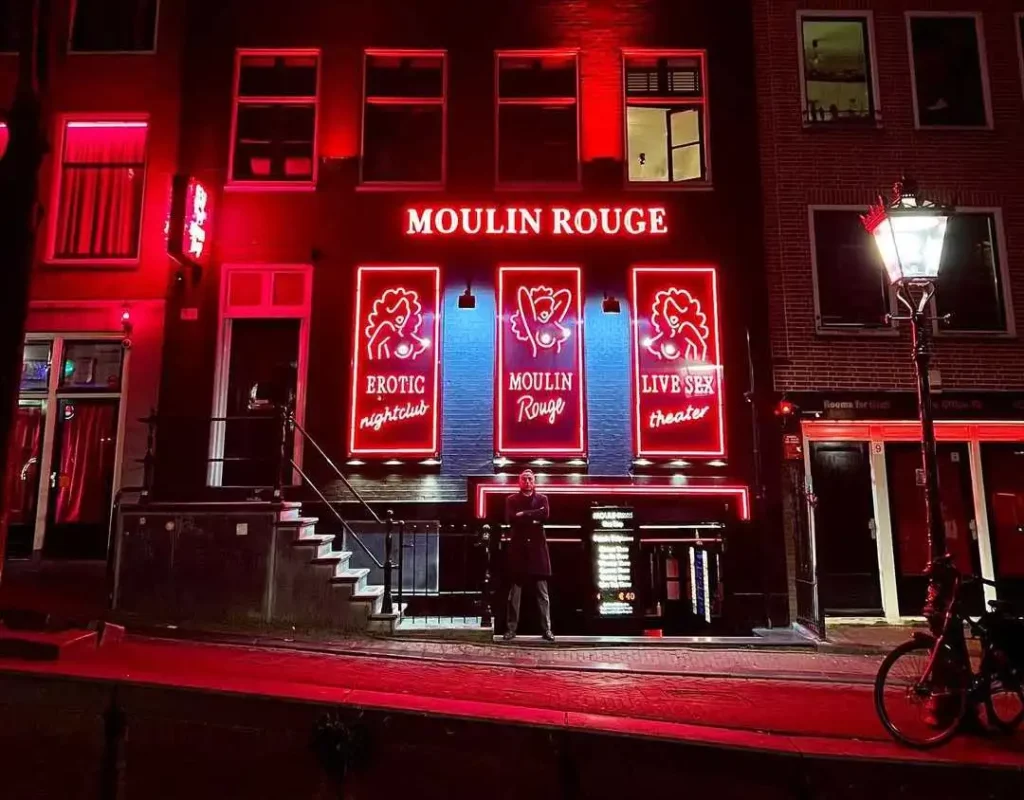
(385,624)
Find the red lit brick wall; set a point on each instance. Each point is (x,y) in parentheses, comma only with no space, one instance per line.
(825,166)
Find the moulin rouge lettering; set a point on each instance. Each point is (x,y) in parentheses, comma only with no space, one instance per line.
(520,221)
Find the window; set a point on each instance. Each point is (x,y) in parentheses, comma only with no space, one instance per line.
(1019,20)
(92,366)
(404,117)
(99,192)
(9,27)
(538,118)
(114,26)
(35,366)
(971,286)
(274,139)
(838,80)
(949,79)
(850,281)
(666,117)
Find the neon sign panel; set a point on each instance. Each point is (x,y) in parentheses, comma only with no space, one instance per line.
(195,235)
(395,379)
(540,389)
(535,221)
(678,400)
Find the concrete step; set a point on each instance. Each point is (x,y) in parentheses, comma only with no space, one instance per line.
(297,522)
(353,578)
(386,624)
(289,510)
(322,545)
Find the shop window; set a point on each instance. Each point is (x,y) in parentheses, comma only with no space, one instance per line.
(35,366)
(838,75)
(537,118)
(276,97)
(100,187)
(971,286)
(666,117)
(850,281)
(949,78)
(114,26)
(404,117)
(92,366)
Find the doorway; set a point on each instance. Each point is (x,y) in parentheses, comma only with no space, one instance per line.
(844,529)
(1003,468)
(910,532)
(22,476)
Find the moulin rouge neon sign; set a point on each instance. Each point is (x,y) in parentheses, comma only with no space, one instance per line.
(677,370)
(540,362)
(535,221)
(395,408)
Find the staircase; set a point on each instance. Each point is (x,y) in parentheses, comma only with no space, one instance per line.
(317,587)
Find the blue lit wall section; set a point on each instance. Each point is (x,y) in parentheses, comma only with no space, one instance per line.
(467,372)
(606,353)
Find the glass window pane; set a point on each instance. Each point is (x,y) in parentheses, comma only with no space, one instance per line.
(21,476)
(837,70)
(852,286)
(104,26)
(35,366)
(275,142)
(534,77)
(92,365)
(402,143)
(947,71)
(686,163)
(685,127)
(969,285)
(647,134)
(277,76)
(405,76)
(537,144)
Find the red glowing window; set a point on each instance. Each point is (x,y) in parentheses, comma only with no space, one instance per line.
(404,117)
(114,26)
(274,129)
(666,117)
(540,392)
(99,190)
(3,139)
(537,139)
(395,409)
(678,399)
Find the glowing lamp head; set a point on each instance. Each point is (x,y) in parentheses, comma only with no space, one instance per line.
(126,316)
(909,234)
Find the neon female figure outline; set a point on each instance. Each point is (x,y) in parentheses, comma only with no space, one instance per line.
(393,324)
(681,327)
(538,320)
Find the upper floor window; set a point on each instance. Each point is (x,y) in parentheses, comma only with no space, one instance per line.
(666,117)
(99,190)
(537,118)
(275,122)
(404,117)
(837,71)
(114,26)
(949,81)
(852,291)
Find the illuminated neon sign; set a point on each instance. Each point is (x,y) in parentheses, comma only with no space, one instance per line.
(677,369)
(535,221)
(395,409)
(540,362)
(195,236)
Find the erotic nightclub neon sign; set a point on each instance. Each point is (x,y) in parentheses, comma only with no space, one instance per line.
(540,362)
(395,409)
(677,371)
(535,221)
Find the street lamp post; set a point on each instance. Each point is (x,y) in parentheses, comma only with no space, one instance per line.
(909,232)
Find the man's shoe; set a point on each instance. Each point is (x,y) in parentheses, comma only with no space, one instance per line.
(548,636)
(509,636)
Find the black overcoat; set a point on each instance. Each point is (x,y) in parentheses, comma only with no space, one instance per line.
(528,555)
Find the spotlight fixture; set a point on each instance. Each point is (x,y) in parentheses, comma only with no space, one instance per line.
(467,300)
(610,305)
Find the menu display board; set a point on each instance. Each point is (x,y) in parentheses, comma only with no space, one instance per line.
(613,547)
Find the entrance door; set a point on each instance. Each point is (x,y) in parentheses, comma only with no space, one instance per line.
(22,476)
(1003,466)
(262,373)
(910,533)
(844,529)
(82,478)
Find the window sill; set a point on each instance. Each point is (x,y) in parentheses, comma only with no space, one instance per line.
(385,186)
(72,52)
(847,333)
(101,263)
(974,335)
(575,186)
(270,186)
(978,128)
(844,125)
(657,186)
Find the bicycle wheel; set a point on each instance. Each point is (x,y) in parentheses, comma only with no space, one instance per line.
(911,707)
(1004,705)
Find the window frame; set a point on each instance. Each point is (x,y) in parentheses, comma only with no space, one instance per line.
(62,121)
(500,185)
(234,184)
(397,186)
(889,331)
(986,90)
(1018,34)
(869,28)
(705,183)
(71,51)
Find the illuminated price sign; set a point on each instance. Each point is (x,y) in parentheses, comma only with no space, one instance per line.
(677,368)
(612,544)
(396,361)
(540,389)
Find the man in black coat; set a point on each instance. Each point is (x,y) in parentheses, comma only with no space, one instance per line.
(528,556)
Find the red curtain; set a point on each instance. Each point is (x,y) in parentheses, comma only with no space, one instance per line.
(101,190)
(87,449)
(23,466)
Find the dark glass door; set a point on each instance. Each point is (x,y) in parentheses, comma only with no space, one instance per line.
(910,533)
(1003,466)
(82,479)
(844,529)
(22,477)
(262,374)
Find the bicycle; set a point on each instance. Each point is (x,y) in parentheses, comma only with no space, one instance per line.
(940,678)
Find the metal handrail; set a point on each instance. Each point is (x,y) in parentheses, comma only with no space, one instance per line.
(337,516)
(334,467)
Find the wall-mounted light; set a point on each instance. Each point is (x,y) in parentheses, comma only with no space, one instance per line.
(126,328)
(610,305)
(467,300)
